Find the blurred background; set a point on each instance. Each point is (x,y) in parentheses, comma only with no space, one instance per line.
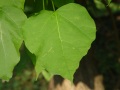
(98,70)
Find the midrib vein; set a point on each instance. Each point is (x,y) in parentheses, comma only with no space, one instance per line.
(58,29)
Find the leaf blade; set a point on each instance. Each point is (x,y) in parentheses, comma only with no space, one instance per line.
(57,38)
(10,39)
(17,3)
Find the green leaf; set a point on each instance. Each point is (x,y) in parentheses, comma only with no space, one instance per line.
(59,39)
(11,19)
(59,3)
(17,3)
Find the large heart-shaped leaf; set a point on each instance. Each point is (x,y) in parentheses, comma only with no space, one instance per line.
(60,38)
(17,3)
(11,20)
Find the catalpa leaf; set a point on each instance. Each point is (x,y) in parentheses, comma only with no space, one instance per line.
(60,38)
(11,20)
(17,3)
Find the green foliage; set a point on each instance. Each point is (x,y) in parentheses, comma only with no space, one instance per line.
(17,3)
(11,19)
(109,1)
(98,9)
(58,39)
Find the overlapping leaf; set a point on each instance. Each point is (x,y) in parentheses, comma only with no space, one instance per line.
(60,38)
(17,3)
(11,39)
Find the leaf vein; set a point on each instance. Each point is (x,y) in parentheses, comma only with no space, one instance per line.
(77,27)
(61,41)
